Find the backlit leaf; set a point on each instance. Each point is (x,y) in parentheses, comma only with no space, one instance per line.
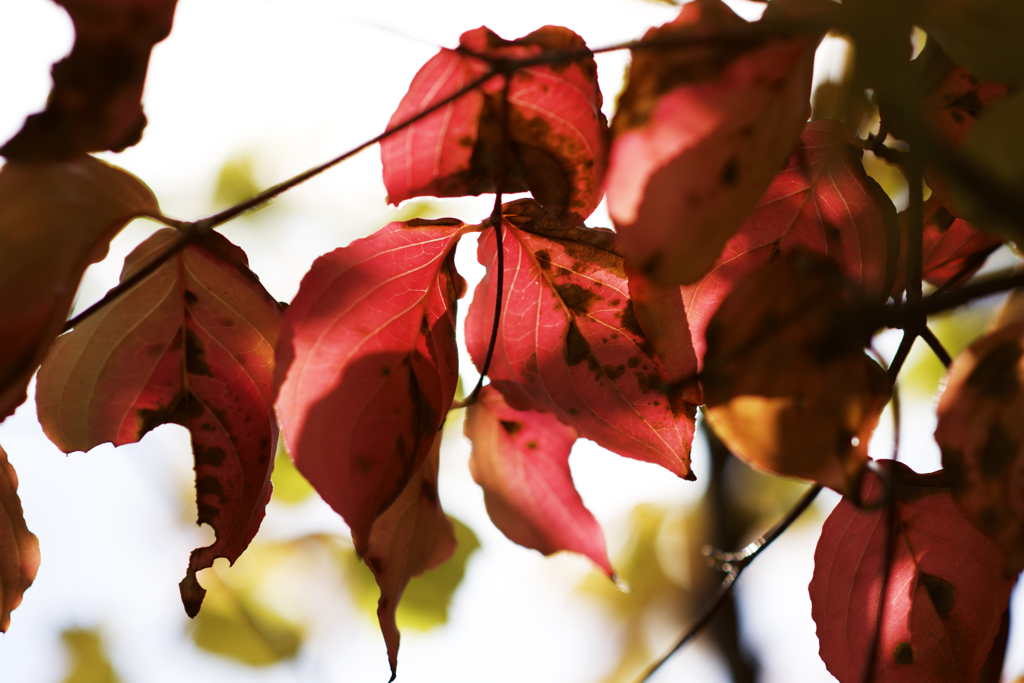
(699,134)
(949,245)
(55,219)
(19,548)
(192,344)
(981,436)
(558,134)
(787,384)
(569,342)
(946,591)
(823,201)
(96,101)
(367,365)
(521,460)
(410,537)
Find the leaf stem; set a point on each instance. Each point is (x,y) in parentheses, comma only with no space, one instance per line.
(733,565)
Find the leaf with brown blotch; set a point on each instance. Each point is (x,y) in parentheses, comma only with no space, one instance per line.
(192,344)
(699,134)
(367,365)
(823,201)
(949,246)
(55,219)
(19,547)
(569,342)
(981,435)
(96,101)
(946,592)
(520,459)
(787,384)
(411,536)
(558,134)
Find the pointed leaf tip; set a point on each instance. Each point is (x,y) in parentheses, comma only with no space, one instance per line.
(192,594)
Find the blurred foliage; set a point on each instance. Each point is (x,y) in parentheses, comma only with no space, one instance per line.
(997,144)
(88,662)
(424,604)
(983,35)
(236,181)
(236,625)
(290,487)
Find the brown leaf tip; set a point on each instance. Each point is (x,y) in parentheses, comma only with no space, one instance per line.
(192,594)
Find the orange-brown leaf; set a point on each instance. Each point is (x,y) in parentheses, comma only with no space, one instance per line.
(19,548)
(192,344)
(55,219)
(788,386)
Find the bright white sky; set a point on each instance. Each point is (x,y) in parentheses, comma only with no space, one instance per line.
(291,84)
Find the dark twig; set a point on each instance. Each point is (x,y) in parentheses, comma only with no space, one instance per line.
(936,346)
(901,356)
(733,565)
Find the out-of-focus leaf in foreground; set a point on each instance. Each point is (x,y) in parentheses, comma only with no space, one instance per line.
(55,219)
(19,548)
(88,660)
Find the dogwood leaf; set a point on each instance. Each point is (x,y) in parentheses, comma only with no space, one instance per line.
(192,344)
(19,548)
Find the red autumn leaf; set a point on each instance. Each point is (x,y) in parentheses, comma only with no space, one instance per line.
(698,136)
(569,342)
(787,384)
(55,219)
(822,201)
(192,344)
(946,592)
(19,548)
(949,245)
(981,436)
(521,460)
(411,536)
(558,133)
(96,101)
(367,365)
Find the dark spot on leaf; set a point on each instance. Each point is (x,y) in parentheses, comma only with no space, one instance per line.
(376,566)
(511,427)
(573,411)
(544,259)
(998,453)
(576,349)
(211,457)
(532,445)
(190,297)
(363,464)
(428,493)
(616,372)
(648,382)
(956,116)
(633,362)
(577,299)
(210,486)
(207,513)
(465,141)
(615,302)
(904,655)
(988,520)
(195,355)
(385,371)
(995,375)
(730,174)
(941,592)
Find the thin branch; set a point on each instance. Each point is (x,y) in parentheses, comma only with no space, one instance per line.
(936,346)
(1005,280)
(733,565)
(901,356)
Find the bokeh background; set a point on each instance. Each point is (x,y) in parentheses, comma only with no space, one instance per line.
(243,94)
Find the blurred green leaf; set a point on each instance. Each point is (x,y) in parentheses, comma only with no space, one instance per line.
(87,657)
(290,486)
(236,181)
(983,35)
(424,604)
(235,625)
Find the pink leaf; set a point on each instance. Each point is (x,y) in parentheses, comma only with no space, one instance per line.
(946,592)
(192,344)
(698,136)
(558,134)
(411,536)
(19,548)
(521,460)
(367,365)
(569,342)
(981,436)
(823,202)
